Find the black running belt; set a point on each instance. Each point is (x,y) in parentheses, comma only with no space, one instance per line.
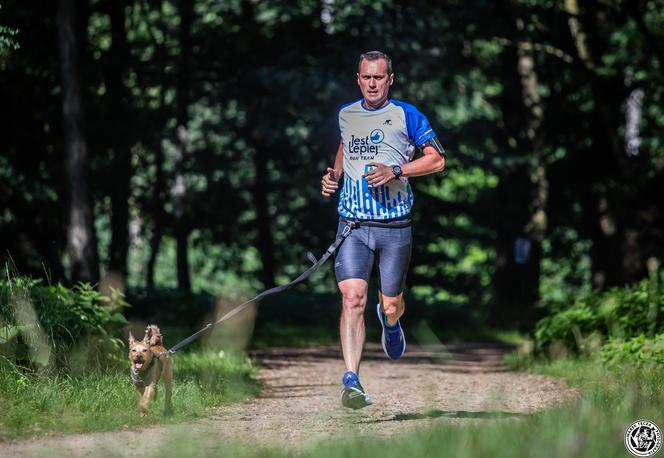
(395,223)
(317,264)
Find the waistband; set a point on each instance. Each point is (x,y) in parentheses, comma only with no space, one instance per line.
(394,223)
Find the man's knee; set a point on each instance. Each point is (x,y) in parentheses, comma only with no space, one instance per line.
(354,300)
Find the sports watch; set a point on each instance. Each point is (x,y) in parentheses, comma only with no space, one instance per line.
(396,170)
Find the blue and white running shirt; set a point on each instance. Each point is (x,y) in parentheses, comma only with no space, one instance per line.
(390,136)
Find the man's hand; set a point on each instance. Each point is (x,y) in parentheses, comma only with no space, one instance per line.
(380,175)
(330,182)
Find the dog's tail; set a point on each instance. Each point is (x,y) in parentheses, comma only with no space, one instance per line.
(153,335)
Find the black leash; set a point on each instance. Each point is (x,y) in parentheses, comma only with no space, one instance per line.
(317,263)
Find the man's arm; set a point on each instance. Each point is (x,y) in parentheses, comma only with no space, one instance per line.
(430,162)
(330,181)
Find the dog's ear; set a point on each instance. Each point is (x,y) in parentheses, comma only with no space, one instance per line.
(146,338)
(132,341)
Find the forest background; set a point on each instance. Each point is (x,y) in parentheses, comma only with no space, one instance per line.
(172,150)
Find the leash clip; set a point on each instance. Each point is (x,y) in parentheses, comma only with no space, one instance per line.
(350,225)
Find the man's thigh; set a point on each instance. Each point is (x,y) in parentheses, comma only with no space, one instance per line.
(393,250)
(354,258)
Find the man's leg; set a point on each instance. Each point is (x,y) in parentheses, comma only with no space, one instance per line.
(394,248)
(352,267)
(351,331)
(393,307)
(351,326)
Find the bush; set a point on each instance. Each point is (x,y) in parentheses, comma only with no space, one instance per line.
(639,351)
(620,313)
(56,327)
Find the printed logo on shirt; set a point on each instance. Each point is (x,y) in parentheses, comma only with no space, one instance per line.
(358,145)
(377,136)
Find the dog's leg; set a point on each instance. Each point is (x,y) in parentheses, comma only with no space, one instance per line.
(168,386)
(139,392)
(148,395)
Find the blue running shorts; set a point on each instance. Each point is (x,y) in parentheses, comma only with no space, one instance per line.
(390,247)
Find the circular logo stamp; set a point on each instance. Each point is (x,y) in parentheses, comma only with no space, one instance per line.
(643,438)
(377,136)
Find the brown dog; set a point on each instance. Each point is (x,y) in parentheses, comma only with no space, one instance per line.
(150,361)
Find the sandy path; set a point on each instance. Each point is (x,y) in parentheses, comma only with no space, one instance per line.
(300,403)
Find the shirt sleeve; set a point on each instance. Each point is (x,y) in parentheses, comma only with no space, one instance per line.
(419,129)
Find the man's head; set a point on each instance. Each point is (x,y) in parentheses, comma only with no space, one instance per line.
(374,76)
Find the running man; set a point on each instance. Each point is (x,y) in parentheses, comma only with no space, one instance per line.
(379,137)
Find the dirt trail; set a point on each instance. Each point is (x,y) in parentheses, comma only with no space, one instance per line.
(300,403)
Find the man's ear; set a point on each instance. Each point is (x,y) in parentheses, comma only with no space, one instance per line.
(391,79)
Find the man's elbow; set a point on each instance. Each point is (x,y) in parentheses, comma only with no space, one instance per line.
(440,164)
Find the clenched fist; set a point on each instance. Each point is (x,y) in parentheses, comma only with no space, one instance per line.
(330,182)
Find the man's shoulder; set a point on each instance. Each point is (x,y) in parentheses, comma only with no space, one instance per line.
(350,105)
(407,107)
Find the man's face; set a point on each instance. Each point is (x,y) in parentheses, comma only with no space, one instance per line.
(374,82)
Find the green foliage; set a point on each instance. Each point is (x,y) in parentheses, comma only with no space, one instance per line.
(620,313)
(261,124)
(566,269)
(8,38)
(38,403)
(637,350)
(567,327)
(57,327)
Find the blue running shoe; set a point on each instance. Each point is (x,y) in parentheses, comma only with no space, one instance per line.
(352,394)
(393,340)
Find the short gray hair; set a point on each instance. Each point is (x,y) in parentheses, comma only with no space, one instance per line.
(375,55)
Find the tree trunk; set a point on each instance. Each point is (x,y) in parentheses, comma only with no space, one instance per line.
(179,190)
(613,253)
(159,216)
(599,91)
(155,242)
(121,163)
(81,238)
(260,142)
(265,245)
(536,226)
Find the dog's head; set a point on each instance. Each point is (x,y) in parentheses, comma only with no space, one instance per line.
(140,354)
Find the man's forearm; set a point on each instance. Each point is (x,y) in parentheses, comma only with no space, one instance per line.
(339,160)
(430,162)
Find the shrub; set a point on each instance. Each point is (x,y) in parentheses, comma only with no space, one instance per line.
(55,326)
(567,327)
(639,351)
(620,313)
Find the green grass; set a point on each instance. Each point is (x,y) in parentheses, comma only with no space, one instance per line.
(32,404)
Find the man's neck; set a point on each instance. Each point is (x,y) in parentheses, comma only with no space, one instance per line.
(369,106)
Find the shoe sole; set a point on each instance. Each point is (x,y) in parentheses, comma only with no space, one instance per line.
(354,399)
(382,337)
